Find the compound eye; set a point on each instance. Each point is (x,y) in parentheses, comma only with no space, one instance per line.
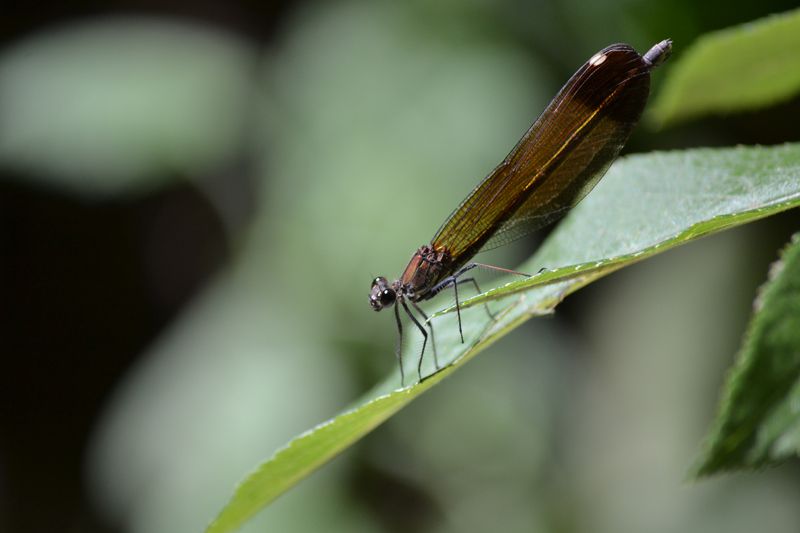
(387,296)
(380,280)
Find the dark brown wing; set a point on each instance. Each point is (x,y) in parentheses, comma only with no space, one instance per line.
(559,159)
(573,179)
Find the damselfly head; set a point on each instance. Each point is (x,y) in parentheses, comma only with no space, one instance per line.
(382,294)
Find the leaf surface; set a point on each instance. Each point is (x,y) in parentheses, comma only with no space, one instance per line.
(646,204)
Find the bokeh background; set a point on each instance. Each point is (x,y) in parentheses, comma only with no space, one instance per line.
(194,198)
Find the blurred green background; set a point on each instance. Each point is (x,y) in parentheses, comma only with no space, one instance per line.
(194,200)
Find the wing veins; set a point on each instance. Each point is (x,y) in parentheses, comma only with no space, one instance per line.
(456,225)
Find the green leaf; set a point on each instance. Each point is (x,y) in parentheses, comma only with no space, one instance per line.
(759,419)
(650,203)
(740,68)
(646,204)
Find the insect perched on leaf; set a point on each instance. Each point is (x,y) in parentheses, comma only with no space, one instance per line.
(556,163)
